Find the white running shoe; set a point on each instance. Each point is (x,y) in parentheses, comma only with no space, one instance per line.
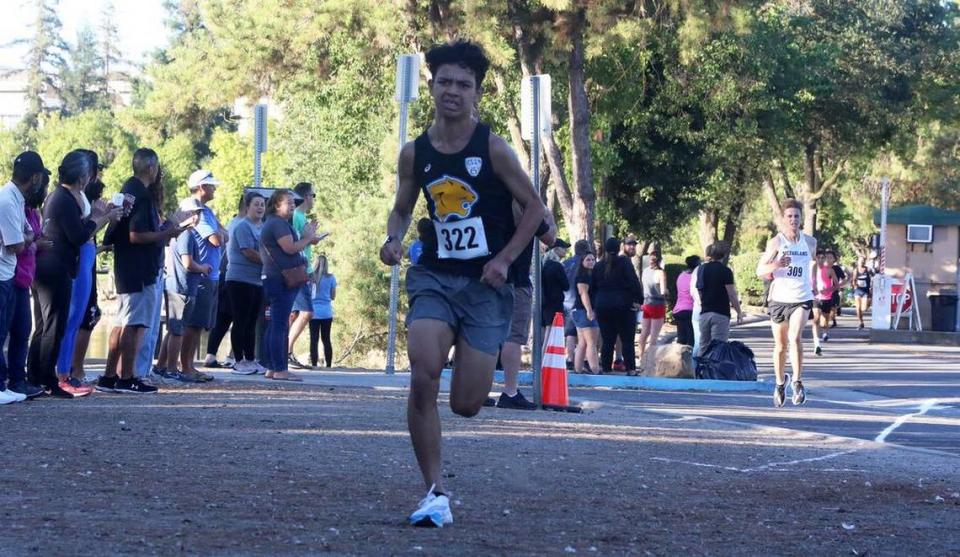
(244,367)
(433,511)
(7,396)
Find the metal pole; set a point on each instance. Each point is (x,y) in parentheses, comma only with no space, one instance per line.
(407,73)
(537,352)
(259,142)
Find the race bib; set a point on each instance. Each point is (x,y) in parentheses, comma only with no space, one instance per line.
(462,239)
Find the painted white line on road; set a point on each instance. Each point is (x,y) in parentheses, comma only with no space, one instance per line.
(757,468)
(800,461)
(700,464)
(924,408)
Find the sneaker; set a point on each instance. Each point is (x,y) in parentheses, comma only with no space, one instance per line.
(28,390)
(826,337)
(189,377)
(433,511)
(294,362)
(779,395)
(8,397)
(260,368)
(13,396)
(515,402)
(860,327)
(818,351)
(58,392)
(244,367)
(228,362)
(75,387)
(799,393)
(619,366)
(569,365)
(134,386)
(106,384)
(490,402)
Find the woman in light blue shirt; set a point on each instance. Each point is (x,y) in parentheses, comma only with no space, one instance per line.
(325,291)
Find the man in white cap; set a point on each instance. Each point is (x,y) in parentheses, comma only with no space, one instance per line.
(211,239)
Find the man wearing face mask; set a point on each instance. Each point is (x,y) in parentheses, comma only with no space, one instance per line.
(29,180)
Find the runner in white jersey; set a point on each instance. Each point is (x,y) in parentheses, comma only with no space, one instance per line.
(789,261)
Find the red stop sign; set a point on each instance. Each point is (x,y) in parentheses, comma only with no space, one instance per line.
(898,291)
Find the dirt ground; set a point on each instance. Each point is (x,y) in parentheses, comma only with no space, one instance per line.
(261,469)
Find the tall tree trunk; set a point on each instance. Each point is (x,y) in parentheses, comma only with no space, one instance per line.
(770,194)
(579,108)
(530,62)
(708,228)
(811,186)
(513,122)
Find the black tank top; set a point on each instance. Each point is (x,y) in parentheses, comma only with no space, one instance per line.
(469,205)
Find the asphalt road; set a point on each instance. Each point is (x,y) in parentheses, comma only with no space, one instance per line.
(907,395)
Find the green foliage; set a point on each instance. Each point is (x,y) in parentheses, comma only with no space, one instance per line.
(94,129)
(749,285)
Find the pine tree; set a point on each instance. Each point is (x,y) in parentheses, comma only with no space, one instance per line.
(83,84)
(110,56)
(44,59)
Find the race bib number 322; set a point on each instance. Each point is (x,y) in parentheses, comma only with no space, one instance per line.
(462,239)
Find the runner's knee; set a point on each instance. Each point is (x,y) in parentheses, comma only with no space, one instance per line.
(465,408)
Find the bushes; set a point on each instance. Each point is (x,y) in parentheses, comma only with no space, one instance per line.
(749,285)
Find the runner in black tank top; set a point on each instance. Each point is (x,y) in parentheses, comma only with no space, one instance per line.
(460,188)
(459,293)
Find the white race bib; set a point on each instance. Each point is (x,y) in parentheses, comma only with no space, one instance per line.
(462,239)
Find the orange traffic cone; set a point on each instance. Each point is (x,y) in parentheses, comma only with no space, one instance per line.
(553,370)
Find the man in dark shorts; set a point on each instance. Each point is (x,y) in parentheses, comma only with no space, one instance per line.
(789,260)
(519,336)
(459,292)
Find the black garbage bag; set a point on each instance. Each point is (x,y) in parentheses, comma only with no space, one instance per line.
(732,361)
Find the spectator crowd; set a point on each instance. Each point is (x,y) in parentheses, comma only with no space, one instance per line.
(180,273)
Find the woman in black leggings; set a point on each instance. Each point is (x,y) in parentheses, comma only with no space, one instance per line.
(616,294)
(243,284)
(68,222)
(326,291)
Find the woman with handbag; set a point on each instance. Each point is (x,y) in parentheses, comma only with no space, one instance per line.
(284,273)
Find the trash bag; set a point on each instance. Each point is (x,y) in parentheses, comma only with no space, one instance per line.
(732,361)
(669,360)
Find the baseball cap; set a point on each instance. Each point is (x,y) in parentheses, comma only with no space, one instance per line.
(560,243)
(190,204)
(200,177)
(630,239)
(30,162)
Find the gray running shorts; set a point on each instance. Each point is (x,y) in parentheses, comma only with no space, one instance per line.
(476,312)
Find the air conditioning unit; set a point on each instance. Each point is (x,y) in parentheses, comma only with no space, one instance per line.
(920,233)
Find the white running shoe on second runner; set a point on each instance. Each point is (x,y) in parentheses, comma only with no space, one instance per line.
(433,511)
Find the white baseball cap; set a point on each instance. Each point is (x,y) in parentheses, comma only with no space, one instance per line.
(200,177)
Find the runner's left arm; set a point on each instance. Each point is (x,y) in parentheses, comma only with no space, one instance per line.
(812,246)
(507,168)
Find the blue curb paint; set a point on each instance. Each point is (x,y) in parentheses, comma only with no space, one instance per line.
(575,380)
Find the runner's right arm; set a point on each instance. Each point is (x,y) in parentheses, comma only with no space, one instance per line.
(399,220)
(768,261)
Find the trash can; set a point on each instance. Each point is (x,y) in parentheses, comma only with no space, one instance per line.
(943,311)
